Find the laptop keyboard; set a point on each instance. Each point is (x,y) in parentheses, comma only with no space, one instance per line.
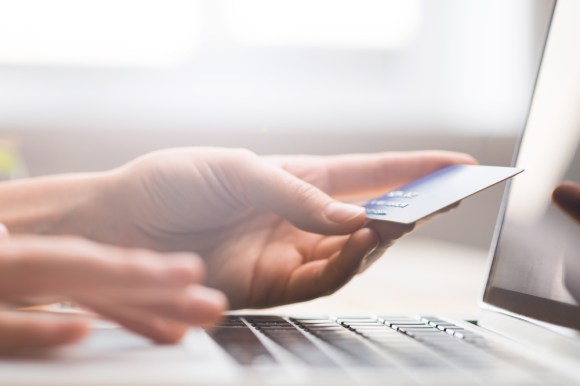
(367,342)
(241,343)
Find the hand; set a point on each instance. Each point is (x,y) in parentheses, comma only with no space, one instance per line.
(567,197)
(267,227)
(155,295)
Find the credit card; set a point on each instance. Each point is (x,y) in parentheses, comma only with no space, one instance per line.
(436,191)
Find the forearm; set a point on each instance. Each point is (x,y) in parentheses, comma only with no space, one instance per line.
(66,204)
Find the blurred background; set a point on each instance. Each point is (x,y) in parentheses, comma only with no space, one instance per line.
(88,85)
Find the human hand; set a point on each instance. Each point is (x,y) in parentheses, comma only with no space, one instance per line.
(567,197)
(267,227)
(155,295)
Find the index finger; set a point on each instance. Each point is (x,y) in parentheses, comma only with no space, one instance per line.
(359,175)
(39,266)
(567,197)
(323,277)
(19,330)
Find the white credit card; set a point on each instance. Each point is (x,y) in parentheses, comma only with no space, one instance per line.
(436,191)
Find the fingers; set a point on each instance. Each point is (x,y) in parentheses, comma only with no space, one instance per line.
(19,330)
(369,174)
(307,207)
(155,327)
(387,233)
(4,235)
(152,294)
(195,305)
(295,191)
(571,275)
(198,306)
(167,321)
(390,231)
(323,277)
(567,197)
(70,267)
(326,247)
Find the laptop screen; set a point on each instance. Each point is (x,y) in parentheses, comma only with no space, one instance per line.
(536,265)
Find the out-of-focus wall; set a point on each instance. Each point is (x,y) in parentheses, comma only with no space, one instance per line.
(330,66)
(274,76)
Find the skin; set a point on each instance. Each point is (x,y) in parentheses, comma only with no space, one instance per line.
(270,229)
(567,197)
(155,295)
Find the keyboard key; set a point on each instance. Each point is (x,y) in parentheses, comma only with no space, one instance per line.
(243,345)
(401,348)
(356,351)
(291,339)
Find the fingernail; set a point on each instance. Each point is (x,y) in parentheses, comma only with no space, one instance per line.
(341,213)
(183,261)
(209,296)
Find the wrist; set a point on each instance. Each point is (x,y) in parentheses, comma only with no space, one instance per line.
(103,212)
(107,211)
(67,204)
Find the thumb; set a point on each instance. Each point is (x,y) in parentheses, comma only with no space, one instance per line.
(307,207)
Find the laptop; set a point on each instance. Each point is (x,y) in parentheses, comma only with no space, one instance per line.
(527,332)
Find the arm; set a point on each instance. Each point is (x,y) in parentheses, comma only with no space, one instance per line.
(270,229)
(52,205)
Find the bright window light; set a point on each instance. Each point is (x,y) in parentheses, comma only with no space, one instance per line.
(99,32)
(349,24)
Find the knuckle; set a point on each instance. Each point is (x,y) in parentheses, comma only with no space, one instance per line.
(139,261)
(241,155)
(198,266)
(194,263)
(236,169)
(305,192)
